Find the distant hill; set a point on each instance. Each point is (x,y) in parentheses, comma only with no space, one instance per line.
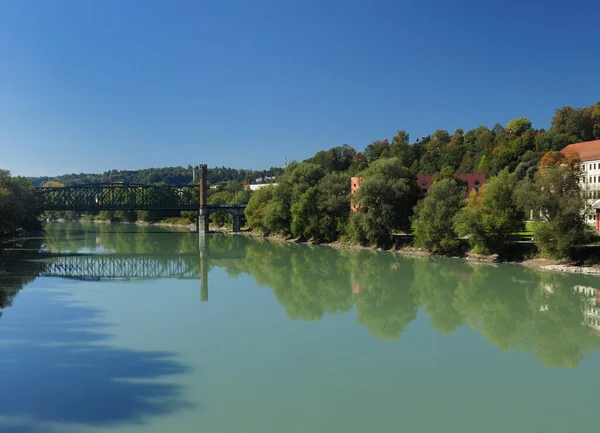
(166,175)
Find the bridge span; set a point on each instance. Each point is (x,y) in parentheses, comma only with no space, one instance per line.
(123,197)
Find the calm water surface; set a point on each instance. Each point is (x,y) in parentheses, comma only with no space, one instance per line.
(115,328)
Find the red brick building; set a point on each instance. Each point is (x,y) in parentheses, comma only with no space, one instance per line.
(474,181)
(354,186)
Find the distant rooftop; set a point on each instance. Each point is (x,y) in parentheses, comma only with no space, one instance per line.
(588,150)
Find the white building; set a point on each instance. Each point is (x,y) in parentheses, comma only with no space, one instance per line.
(260,185)
(589,153)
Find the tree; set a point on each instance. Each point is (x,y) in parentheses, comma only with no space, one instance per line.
(256,212)
(492,215)
(569,121)
(385,199)
(18,204)
(555,193)
(333,206)
(377,149)
(305,215)
(434,216)
(518,126)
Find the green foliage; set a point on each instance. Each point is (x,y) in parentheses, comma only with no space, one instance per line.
(307,204)
(490,217)
(258,208)
(305,214)
(518,126)
(18,204)
(385,199)
(190,215)
(166,176)
(555,194)
(335,159)
(434,216)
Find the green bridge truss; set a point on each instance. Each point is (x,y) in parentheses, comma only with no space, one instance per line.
(118,197)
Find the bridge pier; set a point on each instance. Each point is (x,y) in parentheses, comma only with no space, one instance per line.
(202,224)
(203,214)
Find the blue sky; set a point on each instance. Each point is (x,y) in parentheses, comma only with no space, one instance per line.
(87,86)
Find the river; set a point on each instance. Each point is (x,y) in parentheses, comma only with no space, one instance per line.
(119,328)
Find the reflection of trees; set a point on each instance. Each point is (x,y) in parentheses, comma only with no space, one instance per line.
(122,238)
(384,302)
(494,302)
(435,285)
(559,336)
(16,270)
(515,308)
(308,282)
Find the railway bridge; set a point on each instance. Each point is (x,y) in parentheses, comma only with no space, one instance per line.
(123,197)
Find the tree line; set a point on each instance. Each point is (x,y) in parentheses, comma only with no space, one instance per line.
(18,205)
(158,176)
(527,175)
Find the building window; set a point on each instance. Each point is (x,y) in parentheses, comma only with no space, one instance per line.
(424,182)
(424,190)
(476,182)
(583,167)
(476,189)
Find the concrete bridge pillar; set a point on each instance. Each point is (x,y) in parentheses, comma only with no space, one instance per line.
(202,225)
(203,211)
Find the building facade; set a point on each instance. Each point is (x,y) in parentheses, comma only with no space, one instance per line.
(354,186)
(589,153)
(474,181)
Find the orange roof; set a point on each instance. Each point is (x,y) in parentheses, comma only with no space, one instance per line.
(588,150)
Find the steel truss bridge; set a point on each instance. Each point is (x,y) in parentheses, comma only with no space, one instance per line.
(124,197)
(89,198)
(128,267)
(121,267)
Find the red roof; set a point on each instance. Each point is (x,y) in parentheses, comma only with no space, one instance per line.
(588,150)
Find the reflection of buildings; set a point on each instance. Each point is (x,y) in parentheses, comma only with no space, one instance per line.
(590,307)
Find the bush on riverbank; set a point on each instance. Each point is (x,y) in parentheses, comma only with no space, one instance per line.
(18,204)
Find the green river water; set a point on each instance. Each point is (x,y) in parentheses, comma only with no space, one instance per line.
(119,328)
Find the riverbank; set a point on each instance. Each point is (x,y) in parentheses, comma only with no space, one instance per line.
(532,263)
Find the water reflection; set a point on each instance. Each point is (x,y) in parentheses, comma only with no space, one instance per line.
(554,317)
(61,352)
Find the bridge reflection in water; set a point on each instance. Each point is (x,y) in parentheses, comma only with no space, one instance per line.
(101,267)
